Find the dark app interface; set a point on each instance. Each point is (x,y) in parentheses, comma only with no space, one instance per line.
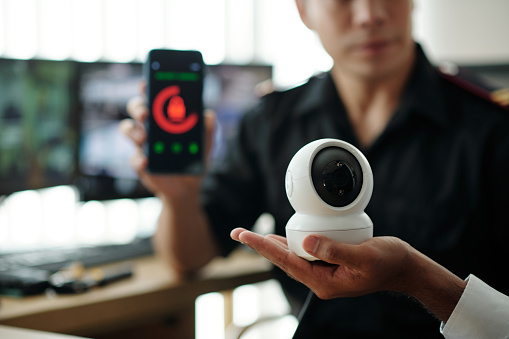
(176,122)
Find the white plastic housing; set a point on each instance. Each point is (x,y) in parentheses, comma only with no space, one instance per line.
(347,224)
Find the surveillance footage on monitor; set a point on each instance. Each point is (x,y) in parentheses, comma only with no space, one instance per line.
(38,124)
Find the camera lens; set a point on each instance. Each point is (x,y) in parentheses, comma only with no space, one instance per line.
(336,176)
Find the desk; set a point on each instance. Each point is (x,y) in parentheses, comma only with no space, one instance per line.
(152,301)
(20,333)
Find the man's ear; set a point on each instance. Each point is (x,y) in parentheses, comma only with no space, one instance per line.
(302,8)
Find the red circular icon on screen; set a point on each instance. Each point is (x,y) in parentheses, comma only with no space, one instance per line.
(175,120)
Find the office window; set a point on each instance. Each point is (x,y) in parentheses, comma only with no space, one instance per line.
(151,26)
(231,31)
(87,30)
(20,28)
(119,32)
(53,32)
(2,27)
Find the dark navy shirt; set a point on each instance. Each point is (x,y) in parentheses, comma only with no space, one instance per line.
(441,183)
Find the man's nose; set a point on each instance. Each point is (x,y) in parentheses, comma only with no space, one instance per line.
(369,13)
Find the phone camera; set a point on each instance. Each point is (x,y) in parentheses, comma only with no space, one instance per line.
(156,65)
(195,67)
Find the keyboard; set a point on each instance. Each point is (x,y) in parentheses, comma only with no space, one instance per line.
(27,273)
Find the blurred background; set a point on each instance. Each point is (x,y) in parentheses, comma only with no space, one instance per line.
(248,31)
(68,67)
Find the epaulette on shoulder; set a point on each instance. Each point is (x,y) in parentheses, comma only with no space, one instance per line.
(264,88)
(474,85)
(501,96)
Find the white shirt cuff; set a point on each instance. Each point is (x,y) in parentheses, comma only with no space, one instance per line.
(481,312)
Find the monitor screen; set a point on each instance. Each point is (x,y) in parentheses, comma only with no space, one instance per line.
(104,90)
(38,124)
(231,90)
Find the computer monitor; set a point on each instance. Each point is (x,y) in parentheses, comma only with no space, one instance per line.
(38,124)
(104,90)
(231,90)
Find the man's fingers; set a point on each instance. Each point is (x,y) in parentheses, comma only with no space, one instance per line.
(210,120)
(236,232)
(137,108)
(139,162)
(133,130)
(274,251)
(143,88)
(278,238)
(332,251)
(253,239)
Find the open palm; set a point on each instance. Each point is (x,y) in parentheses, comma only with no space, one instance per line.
(343,270)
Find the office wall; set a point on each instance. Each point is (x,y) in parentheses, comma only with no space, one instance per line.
(464,31)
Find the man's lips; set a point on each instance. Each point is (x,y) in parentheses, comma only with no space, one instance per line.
(374,46)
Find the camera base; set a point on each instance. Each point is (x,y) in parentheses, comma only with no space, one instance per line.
(353,236)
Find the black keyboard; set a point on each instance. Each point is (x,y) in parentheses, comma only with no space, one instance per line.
(27,273)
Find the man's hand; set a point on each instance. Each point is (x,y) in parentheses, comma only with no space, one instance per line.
(183,225)
(161,185)
(344,270)
(378,264)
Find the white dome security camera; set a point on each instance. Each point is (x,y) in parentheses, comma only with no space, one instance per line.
(329,183)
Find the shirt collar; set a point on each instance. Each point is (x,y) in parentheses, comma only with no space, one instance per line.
(422,95)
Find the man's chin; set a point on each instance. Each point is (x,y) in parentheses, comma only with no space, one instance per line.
(378,68)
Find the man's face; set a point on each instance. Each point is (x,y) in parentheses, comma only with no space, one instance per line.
(366,38)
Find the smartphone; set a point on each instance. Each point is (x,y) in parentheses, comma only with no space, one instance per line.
(175,127)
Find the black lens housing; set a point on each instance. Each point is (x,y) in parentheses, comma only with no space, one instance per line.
(337,176)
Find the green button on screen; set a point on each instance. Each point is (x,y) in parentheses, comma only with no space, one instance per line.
(159,147)
(176,147)
(193,148)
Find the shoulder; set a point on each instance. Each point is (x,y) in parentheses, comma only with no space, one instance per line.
(472,108)
(473,89)
(481,118)
(280,104)
(292,96)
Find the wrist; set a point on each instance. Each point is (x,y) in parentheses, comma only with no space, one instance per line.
(438,289)
(411,268)
(180,192)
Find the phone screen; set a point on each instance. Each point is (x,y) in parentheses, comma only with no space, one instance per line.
(175,124)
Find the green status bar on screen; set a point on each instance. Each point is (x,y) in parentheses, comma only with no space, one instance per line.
(180,76)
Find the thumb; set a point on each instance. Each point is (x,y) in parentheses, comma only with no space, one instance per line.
(331,251)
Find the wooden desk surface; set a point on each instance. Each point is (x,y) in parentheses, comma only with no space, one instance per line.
(152,294)
(8,332)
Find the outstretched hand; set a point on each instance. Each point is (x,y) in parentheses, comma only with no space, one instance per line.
(344,270)
(378,264)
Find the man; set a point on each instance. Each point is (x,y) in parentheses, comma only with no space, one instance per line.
(439,157)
